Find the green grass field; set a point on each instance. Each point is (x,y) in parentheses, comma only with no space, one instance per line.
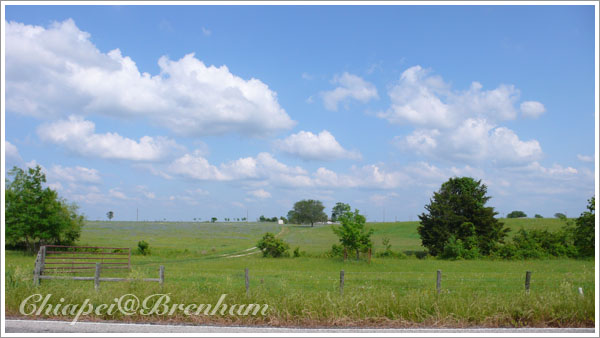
(305,291)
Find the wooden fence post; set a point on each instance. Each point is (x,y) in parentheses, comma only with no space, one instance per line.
(247,282)
(161,275)
(342,283)
(527,280)
(439,281)
(43,260)
(36,271)
(97,277)
(129,260)
(369,255)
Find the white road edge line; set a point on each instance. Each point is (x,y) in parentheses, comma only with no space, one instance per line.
(482,329)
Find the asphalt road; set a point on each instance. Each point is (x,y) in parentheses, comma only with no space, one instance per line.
(48,326)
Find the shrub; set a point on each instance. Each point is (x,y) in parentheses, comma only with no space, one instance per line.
(538,216)
(516,214)
(532,244)
(143,248)
(272,246)
(297,252)
(459,249)
(336,251)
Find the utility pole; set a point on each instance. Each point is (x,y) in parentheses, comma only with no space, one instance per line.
(383,214)
(246,215)
(136,214)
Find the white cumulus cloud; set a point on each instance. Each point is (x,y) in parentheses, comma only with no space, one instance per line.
(58,69)
(582,158)
(309,146)
(262,167)
(473,141)
(116,193)
(350,86)
(460,126)
(260,193)
(78,135)
(76,174)
(11,152)
(427,100)
(532,109)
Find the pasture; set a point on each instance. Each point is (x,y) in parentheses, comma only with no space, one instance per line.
(305,291)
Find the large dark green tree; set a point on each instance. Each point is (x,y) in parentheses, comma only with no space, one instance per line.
(459,201)
(307,211)
(585,234)
(36,215)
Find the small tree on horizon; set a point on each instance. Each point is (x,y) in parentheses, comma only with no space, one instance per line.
(307,211)
(560,215)
(516,214)
(110,215)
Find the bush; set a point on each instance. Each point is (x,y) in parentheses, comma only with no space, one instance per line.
(532,244)
(272,246)
(143,248)
(459,249)
(297,252)
(336,251)
(388,252)
(538,216)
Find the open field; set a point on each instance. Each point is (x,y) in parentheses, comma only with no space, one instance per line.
(174,238)
(305,291)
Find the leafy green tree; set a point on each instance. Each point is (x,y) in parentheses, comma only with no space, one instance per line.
(585,234)
(338,210)
(352,233)
(538,216)
(307,211)
(214,219)
(516,214)
(459,201)
(272,246)
(291,217)
(36,215)
(110,215)
(560,215)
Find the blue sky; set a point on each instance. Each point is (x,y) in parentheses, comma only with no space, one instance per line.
(191,112)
